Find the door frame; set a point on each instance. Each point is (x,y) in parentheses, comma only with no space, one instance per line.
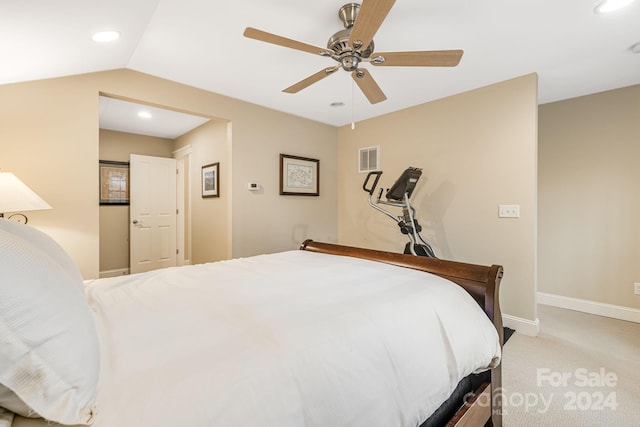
(183,223)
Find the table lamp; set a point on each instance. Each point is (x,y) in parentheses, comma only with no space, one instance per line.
(15,196)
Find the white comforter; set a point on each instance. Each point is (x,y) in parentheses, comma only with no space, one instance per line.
(289,339)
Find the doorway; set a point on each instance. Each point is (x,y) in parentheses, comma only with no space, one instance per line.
(123,133)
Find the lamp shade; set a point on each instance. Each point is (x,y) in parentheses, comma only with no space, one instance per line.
(15,196)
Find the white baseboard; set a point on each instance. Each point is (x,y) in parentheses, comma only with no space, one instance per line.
(124,271)
(523,326)
(598,308)
(113,273)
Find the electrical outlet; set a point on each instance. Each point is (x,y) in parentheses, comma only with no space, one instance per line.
(509,211)
(636,288)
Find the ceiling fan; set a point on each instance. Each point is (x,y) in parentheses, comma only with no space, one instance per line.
(354,45)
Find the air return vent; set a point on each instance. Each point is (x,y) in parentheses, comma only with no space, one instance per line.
(369,159)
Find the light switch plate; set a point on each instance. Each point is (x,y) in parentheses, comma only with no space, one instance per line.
(509,211)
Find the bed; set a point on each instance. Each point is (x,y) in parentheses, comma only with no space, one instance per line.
(327,335)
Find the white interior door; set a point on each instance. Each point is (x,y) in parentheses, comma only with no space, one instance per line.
(152,213)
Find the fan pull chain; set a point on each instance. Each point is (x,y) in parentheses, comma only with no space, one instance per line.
(353,122)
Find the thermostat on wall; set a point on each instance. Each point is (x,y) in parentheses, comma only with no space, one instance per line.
(252,186)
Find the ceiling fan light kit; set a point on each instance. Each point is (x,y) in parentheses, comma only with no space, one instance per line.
(353,45)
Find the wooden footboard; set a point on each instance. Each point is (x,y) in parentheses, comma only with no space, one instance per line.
(481,282)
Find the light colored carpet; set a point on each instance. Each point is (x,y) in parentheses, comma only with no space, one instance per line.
(581,370)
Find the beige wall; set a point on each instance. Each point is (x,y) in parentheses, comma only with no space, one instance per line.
(263,220)
(589,211)
(477,150)
(210,220)
(49,139)
(114,220)
(119,146)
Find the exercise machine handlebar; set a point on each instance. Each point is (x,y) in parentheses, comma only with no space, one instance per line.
(375,182)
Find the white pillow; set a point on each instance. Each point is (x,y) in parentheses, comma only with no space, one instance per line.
(49,354)
(47,244)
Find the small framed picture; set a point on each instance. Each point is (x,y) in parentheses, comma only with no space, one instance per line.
(114,182)
(299,176)
(211,180)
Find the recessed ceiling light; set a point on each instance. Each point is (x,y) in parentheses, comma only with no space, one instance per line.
(145,115)
(607,6)
(105,36)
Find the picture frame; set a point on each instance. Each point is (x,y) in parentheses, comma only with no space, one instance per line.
(211,180)
(299,176)
(114,182)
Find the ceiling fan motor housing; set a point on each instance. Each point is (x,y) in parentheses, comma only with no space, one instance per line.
(339,43)
(348,57)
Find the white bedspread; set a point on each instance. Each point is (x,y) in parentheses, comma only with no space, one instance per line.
(289,339)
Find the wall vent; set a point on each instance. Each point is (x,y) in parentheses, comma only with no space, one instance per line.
(369,159)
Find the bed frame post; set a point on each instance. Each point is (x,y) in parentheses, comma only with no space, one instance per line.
(492,308)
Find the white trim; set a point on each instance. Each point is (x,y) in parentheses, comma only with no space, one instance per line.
(592,307)
(113,273)
(182,152)
(180,214)
(523,326)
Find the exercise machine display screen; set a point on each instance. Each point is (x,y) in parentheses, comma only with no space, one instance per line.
(405,184)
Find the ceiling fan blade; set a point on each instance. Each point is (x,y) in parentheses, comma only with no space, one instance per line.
(368,86)
(428,58)
(311,80)
(256,34)
(371,15)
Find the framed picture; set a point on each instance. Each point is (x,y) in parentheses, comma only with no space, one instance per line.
(211,180)
(299,176)
(114,182)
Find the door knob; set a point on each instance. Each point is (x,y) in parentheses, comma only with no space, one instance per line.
(135,221)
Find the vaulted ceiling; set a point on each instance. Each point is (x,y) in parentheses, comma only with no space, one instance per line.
(200,43)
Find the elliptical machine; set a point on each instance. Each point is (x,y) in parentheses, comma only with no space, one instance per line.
(398,196)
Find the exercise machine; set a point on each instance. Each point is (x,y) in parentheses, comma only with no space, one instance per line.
(398,196)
